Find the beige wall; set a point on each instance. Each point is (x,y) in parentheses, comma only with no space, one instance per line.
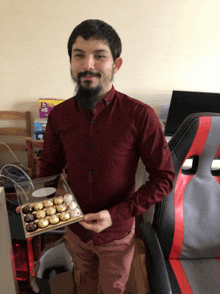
(167,45)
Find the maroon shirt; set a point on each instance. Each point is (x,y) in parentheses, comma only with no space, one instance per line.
(101,151)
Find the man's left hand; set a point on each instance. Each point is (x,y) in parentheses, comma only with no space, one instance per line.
(97,222)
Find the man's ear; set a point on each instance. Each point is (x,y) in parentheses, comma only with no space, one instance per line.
(118,64)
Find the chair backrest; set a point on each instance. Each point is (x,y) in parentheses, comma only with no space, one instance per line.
(33,159)
(21,132)
(187,221)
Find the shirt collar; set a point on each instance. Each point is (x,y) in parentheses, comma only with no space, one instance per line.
(109,97)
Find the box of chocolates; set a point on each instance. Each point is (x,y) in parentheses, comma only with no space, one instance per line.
(47,204)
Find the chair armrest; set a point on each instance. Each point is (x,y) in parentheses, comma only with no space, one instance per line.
(156,267)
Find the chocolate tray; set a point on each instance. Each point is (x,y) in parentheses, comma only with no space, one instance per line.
(47,200)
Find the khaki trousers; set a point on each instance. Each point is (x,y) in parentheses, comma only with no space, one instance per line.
(101,269)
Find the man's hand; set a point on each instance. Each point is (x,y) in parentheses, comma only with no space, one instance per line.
(97,222)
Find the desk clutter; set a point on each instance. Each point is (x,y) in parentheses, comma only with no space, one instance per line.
(45,107)
(39,128)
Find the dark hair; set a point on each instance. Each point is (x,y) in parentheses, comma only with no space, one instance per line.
(96,29)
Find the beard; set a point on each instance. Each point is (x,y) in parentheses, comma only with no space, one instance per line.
(86,95)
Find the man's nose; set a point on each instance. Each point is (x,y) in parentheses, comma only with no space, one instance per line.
(89,63)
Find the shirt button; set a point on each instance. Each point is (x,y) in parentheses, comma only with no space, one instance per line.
(85,159)
(91,171)
(107,103)
(91,193)
(91,146)
(93,122)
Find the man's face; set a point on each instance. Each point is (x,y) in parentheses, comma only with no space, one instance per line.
(92,65)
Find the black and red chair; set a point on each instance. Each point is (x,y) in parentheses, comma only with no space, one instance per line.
(183,243)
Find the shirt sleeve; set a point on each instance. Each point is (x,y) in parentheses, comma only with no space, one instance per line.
(52,160)
(155,154)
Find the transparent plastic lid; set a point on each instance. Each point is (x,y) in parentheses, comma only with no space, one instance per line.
(46,204)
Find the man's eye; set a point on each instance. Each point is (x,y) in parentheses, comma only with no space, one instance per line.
(100,56)
(78,55)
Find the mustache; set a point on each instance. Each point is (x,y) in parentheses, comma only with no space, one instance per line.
(88,73)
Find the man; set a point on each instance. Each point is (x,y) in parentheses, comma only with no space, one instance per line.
(99,135)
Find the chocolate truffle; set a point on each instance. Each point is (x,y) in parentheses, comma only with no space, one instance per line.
(40,214)
(51,210)
(75,212)
(68,198)
(71,205)
(28,208)
(54,219)
(48,203)
(58,200)
(64,216)
(31,227)
(43,223)
(29,217)
(61,207)
(38,206)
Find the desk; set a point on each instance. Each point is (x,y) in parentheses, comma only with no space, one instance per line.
(8,282)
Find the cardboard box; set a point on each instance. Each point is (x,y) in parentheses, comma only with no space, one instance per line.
(54,256)
(46,105)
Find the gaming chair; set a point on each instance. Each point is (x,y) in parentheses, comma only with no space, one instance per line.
(183,243)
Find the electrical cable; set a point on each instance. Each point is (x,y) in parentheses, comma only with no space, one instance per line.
(16,185)
(11,175)
(13,154)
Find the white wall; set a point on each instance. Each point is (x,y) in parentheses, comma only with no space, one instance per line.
(167,45)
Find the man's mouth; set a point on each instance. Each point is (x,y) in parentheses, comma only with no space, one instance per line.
(88,78)
(88,75)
